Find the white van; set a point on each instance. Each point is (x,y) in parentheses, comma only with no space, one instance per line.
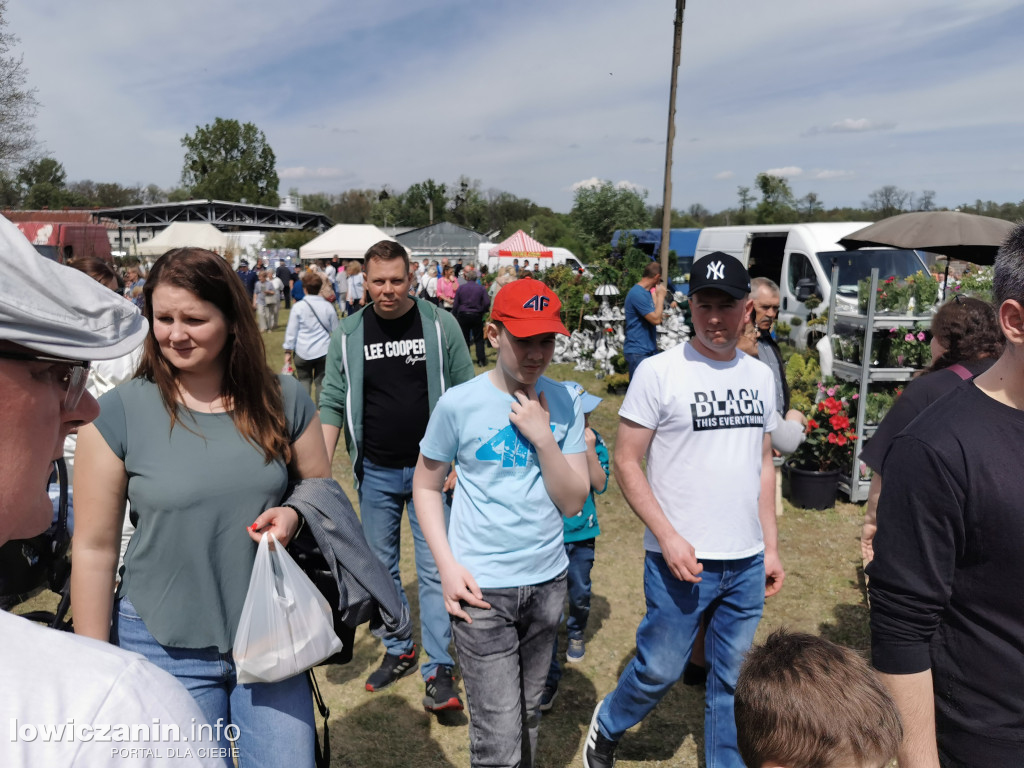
(799,257)
(558,256)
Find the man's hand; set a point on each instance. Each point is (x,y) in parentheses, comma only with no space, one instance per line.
(531,417)
(660,290)
(773,574)
(681,558)
(459,586)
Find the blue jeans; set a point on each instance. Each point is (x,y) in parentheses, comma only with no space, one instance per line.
(382,494)
(633,360)
(581,561)
(731,592)
(268,715)
(504,659)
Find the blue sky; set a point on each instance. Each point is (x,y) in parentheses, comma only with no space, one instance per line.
(841,96)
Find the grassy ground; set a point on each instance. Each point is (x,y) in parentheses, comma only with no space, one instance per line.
(823,594)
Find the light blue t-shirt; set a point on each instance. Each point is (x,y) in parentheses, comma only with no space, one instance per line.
(504,527)
(641,336)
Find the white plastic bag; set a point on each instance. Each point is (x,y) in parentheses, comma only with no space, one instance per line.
(286,625)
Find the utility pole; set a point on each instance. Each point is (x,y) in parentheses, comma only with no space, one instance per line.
(666,212)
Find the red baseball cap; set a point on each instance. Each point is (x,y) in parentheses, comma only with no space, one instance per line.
(528,308)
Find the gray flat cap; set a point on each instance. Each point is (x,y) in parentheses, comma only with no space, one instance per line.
(58,310)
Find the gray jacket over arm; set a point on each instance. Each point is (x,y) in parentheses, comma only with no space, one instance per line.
(366,590)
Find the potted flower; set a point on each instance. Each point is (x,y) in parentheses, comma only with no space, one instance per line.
(815,466)
(907,348)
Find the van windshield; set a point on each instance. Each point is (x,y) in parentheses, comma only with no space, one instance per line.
(854,266)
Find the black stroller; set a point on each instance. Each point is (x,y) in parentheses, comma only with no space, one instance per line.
(30,566)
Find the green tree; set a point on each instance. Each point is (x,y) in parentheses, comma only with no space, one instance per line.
(228,160)
(810,206)
(598,210)
(288,239)
(888,201)
(468,207)
(777,205)
(44,184)
(353,206)
(18,103)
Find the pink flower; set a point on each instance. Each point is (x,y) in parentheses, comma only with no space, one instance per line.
(831,391)
(920,335)
(909,337)
(854,396)
(894,330)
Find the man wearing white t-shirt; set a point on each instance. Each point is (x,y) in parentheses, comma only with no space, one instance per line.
(700,413)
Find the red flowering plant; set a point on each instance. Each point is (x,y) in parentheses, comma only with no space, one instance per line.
(831,438)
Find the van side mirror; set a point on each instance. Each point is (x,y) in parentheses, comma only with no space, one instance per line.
(807,287)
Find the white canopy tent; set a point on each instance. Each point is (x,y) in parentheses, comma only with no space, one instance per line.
(183,234)
(346,241)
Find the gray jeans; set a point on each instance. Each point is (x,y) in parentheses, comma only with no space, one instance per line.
(504,655)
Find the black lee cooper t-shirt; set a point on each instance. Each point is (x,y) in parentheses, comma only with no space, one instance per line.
(396,406)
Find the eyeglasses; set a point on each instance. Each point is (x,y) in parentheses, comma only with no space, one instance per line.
(71,374)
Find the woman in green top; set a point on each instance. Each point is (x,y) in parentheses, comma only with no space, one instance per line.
(202,443)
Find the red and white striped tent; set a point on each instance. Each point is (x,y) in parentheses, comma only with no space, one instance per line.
(521,245)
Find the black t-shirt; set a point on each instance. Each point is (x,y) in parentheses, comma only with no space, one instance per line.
(947,580)
(396,405)
(284,275)
(918,395)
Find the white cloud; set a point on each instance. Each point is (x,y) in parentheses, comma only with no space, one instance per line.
(638,188)
(785,172)
(852,125)
(593,181)
(724,175)
(827,174)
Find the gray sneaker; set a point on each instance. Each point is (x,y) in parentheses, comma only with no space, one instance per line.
(547,697)
(576,650)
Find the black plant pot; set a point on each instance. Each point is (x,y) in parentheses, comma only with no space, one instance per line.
(812,489)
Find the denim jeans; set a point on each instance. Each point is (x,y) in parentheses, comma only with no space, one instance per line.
(731,592)
(504,658)
(268,715)
(581,561)
(383,492)
(633,360)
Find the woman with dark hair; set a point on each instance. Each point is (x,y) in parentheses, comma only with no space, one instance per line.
(203,442)
(966,340)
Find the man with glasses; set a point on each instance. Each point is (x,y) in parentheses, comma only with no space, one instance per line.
(67,699)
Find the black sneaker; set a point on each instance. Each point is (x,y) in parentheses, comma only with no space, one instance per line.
(547,697)
(598,752)
(393,668)
(441,695)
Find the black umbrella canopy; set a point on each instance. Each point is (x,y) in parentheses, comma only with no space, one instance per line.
(954,234)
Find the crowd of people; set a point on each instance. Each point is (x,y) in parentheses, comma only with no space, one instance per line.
(187,444)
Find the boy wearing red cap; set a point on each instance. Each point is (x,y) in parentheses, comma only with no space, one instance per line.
(516,438)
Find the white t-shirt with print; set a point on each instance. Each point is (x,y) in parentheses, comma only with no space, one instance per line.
(704,462)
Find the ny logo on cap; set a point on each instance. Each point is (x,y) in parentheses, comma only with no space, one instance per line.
(537,303)
(716,271)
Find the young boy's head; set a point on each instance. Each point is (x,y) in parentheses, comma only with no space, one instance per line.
(805,702)
(588,402)
(524,321)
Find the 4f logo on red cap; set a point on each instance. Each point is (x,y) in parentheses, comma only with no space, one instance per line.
(537,303)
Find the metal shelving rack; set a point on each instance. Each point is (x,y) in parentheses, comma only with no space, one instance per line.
(851,482)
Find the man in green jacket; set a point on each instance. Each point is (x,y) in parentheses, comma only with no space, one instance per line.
(387,365)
